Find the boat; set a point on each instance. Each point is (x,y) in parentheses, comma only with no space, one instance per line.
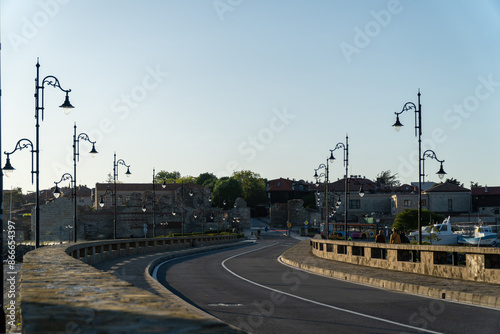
(437,234)
(483,236)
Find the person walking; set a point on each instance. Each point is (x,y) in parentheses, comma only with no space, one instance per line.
(395,238)
(379,238)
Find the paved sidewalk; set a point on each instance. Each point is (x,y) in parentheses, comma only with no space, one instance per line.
(483,294)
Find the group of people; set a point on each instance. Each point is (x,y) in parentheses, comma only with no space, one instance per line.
(396,238)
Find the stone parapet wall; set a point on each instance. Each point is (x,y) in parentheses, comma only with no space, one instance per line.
(60,293)
(478,264)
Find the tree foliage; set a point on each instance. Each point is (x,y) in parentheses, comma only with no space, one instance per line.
(254,187)
(226,191)
(474,185)
(454,181)
(388,178)
(408,219)
(207,180)
(169,177)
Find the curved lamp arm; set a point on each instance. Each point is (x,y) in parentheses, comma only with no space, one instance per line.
(431,154)
(20,145)
(64,177)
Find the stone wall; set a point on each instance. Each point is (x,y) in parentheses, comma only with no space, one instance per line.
(294,212)
(60,293)
(56,219)
(481,264)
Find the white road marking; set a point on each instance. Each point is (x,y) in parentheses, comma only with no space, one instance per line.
(313,301)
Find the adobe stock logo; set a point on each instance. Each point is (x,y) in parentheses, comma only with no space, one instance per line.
(31,27)
(363,37)
(222,7)
(471,103)
(250,147)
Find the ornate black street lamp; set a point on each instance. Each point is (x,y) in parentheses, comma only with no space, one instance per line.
(101,204)
(76,158)
(432,155)
(115,178)
(163,185)
(39,106)
(57,193)
(182,205)
(345,147)
(23,143)
(418,133)
(327,211)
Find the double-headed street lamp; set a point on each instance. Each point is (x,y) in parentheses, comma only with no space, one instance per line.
(101,204)
(115,178)
(327,210)
(39,106)
(345,147)
(57,193)
(76,158)
(163,185)
(9,169)
(182,206)
(23,143)
(408,106)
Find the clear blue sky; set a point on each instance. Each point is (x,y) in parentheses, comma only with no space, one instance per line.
(267,86)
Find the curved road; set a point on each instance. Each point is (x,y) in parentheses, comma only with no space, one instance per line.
(249,288)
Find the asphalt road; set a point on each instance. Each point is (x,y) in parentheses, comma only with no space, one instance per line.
(249,288)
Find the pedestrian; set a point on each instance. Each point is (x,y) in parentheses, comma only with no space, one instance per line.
(404,239)
(379,238)
(395,238)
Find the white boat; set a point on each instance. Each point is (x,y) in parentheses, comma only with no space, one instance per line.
(437,234)
(483,236)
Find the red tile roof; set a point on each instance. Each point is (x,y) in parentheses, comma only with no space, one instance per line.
(485,191)
(447,187)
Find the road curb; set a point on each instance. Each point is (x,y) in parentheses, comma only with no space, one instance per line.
(164,292)
(456,296)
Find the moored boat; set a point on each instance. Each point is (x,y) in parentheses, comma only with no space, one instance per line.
(437,234)
(483,236)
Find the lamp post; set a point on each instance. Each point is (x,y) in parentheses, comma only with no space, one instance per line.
(8,170)
(115,178)
(432,155)
(345,147)
(182,206)
(57,194)
(101,204)
(163,185)
(76,158)
(39,106)
(327,211)
(418,133)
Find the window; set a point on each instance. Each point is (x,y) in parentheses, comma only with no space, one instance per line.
(407,203)
(424,202)
(354,204)
(450,204)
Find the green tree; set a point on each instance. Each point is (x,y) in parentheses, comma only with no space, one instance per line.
(169,177)
(207,180)
(309,200)
(454,181)
(254,187)
(186,179)
(226,191)
(474,185)
(388,178)
(408,219)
